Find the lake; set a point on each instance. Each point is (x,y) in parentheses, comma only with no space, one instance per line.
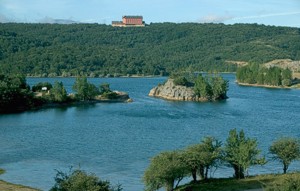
(116,140)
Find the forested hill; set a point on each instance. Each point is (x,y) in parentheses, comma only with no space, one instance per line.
(159,48)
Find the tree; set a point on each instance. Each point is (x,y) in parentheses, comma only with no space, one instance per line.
(286,77)
(201,157)
(104,88)
(241,153)
(15,94)
(219,88)
(39,86)
(181,81)
(84,90)
(58,93)
(202,88)
(164,170)
(79,180)
(285,150)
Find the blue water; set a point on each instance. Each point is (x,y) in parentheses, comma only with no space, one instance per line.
(115,141)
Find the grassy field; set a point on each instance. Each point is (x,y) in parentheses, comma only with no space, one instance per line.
(13,187)
(230,184)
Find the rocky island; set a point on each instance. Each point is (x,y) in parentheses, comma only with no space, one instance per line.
(200,89)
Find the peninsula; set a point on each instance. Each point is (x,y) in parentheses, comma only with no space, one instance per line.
(17,96)
(187,88)
(276,74)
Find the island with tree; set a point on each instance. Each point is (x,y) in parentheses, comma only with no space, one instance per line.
(17,96)
(192,87)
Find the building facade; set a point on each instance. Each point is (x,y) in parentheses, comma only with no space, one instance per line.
(129,21)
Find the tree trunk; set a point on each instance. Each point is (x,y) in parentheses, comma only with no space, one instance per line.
(201,172)
(194,175)
(169,185)
(238,172)
(285,167)
(206,173)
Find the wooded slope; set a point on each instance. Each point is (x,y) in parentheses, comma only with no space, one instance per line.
(157,49)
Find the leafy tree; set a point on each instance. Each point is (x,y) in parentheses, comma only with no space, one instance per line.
(38,87)
(79,180)
(58,93)
(286,77)
(15,94)
(202,87)
(285,150)
(241,153)
(104,88)
(201,157)
(287,74)
(164,170)
(181,80)
(106,92)
(84,90)
(219,88)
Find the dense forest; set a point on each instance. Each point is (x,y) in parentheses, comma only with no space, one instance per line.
(158,49)
(256,74)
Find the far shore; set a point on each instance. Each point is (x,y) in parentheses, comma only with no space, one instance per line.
(122,76)
(268,86)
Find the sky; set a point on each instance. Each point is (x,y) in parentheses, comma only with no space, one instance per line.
(267,12)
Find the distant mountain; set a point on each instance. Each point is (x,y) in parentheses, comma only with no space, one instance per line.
(157,49)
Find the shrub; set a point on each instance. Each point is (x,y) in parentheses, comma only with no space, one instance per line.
(79,180)
(287,183)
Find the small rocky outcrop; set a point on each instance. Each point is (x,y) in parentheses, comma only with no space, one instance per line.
(170,91)
(117,97)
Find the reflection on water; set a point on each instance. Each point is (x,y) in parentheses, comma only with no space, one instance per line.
(115,141)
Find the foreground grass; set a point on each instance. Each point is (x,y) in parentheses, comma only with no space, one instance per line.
(231,184)
(13,187)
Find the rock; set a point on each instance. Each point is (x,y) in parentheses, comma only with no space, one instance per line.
(170,91)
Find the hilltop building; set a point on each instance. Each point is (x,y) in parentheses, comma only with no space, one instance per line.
(129,21)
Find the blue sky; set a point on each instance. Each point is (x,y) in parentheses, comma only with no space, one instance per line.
(268,12)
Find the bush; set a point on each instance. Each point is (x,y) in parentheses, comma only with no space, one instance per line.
(287,183)
(38,87)
(181,81)
(79,180)
(286,82)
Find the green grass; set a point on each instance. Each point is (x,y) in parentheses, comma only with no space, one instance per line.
(231,184)
(2,171)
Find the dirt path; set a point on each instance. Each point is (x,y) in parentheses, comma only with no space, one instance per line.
(14,187)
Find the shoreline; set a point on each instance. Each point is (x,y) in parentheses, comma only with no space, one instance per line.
(4,185)
(131,76)
(122,98)
(268,86)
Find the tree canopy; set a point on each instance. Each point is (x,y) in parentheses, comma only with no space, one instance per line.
(50,50)
(285,150)
(241,152)
(255,74)
(79,180)
(165,169)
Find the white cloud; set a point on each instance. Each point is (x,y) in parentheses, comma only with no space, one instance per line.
(215,19)
(267,15)
(4,19)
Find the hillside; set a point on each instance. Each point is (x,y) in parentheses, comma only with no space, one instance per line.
(157,49)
